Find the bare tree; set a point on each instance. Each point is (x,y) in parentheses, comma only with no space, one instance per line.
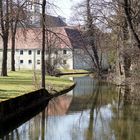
(91,36)
(17,15)
(13,33)
(4,21)
(43,44)
(128,10)
(53,58)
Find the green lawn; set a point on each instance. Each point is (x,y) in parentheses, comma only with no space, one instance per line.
(21,82)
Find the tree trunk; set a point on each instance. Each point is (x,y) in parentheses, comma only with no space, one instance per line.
(4,59)
(128,16)
(13,27)
(4,21)
(43,46)
(13,53)
(92,37)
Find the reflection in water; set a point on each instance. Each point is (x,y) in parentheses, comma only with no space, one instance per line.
(90,128)
(43,125)
(93,111)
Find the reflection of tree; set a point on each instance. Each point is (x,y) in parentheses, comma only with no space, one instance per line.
(17,134)
(125,119)
(102,95)
(90,129)
(43,126)
(6,137)
(33,129)
(12,135)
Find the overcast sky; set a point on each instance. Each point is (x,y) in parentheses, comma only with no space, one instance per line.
(65,7)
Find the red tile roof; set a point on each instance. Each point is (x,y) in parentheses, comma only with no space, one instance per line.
(31,38)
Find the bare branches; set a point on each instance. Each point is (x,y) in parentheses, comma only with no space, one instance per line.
(129,19)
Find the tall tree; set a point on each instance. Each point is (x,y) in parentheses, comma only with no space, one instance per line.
(91,37)
(17,15)
(89,17)
(13,27)
(128,10)
(4,21)
(43,44)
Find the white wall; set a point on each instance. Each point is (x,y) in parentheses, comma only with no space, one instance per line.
(83,61)
(68,58)
(36,58)
(25,57)
(76,60)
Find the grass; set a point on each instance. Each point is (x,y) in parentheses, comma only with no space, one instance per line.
(21,82)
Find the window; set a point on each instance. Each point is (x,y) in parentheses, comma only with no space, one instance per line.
(38,52)
(30,61)
(21,52)
(64,51)
(64,62)
(38,61)
(21,61)
(29,52)
(56,52)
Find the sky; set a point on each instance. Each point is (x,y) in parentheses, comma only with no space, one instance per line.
(64,9)
(65,6)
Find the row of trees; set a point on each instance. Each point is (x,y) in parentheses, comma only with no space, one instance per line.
(118,20)
(17,15)
(14,13)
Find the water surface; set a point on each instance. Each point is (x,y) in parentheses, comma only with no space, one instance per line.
(91,111)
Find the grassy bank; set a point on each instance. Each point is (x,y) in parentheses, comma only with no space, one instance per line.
(21,82)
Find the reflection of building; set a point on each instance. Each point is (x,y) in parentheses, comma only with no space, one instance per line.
(59,106)
(89,92)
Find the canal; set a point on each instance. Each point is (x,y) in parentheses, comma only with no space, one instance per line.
(93,110)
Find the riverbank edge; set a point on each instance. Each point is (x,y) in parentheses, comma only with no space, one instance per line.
(71,73)
(13,108)
(125,87)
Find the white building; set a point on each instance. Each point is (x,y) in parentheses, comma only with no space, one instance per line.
(66,49)
(28,50)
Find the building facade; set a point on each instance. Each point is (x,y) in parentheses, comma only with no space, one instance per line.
(64,49)
(28,50)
